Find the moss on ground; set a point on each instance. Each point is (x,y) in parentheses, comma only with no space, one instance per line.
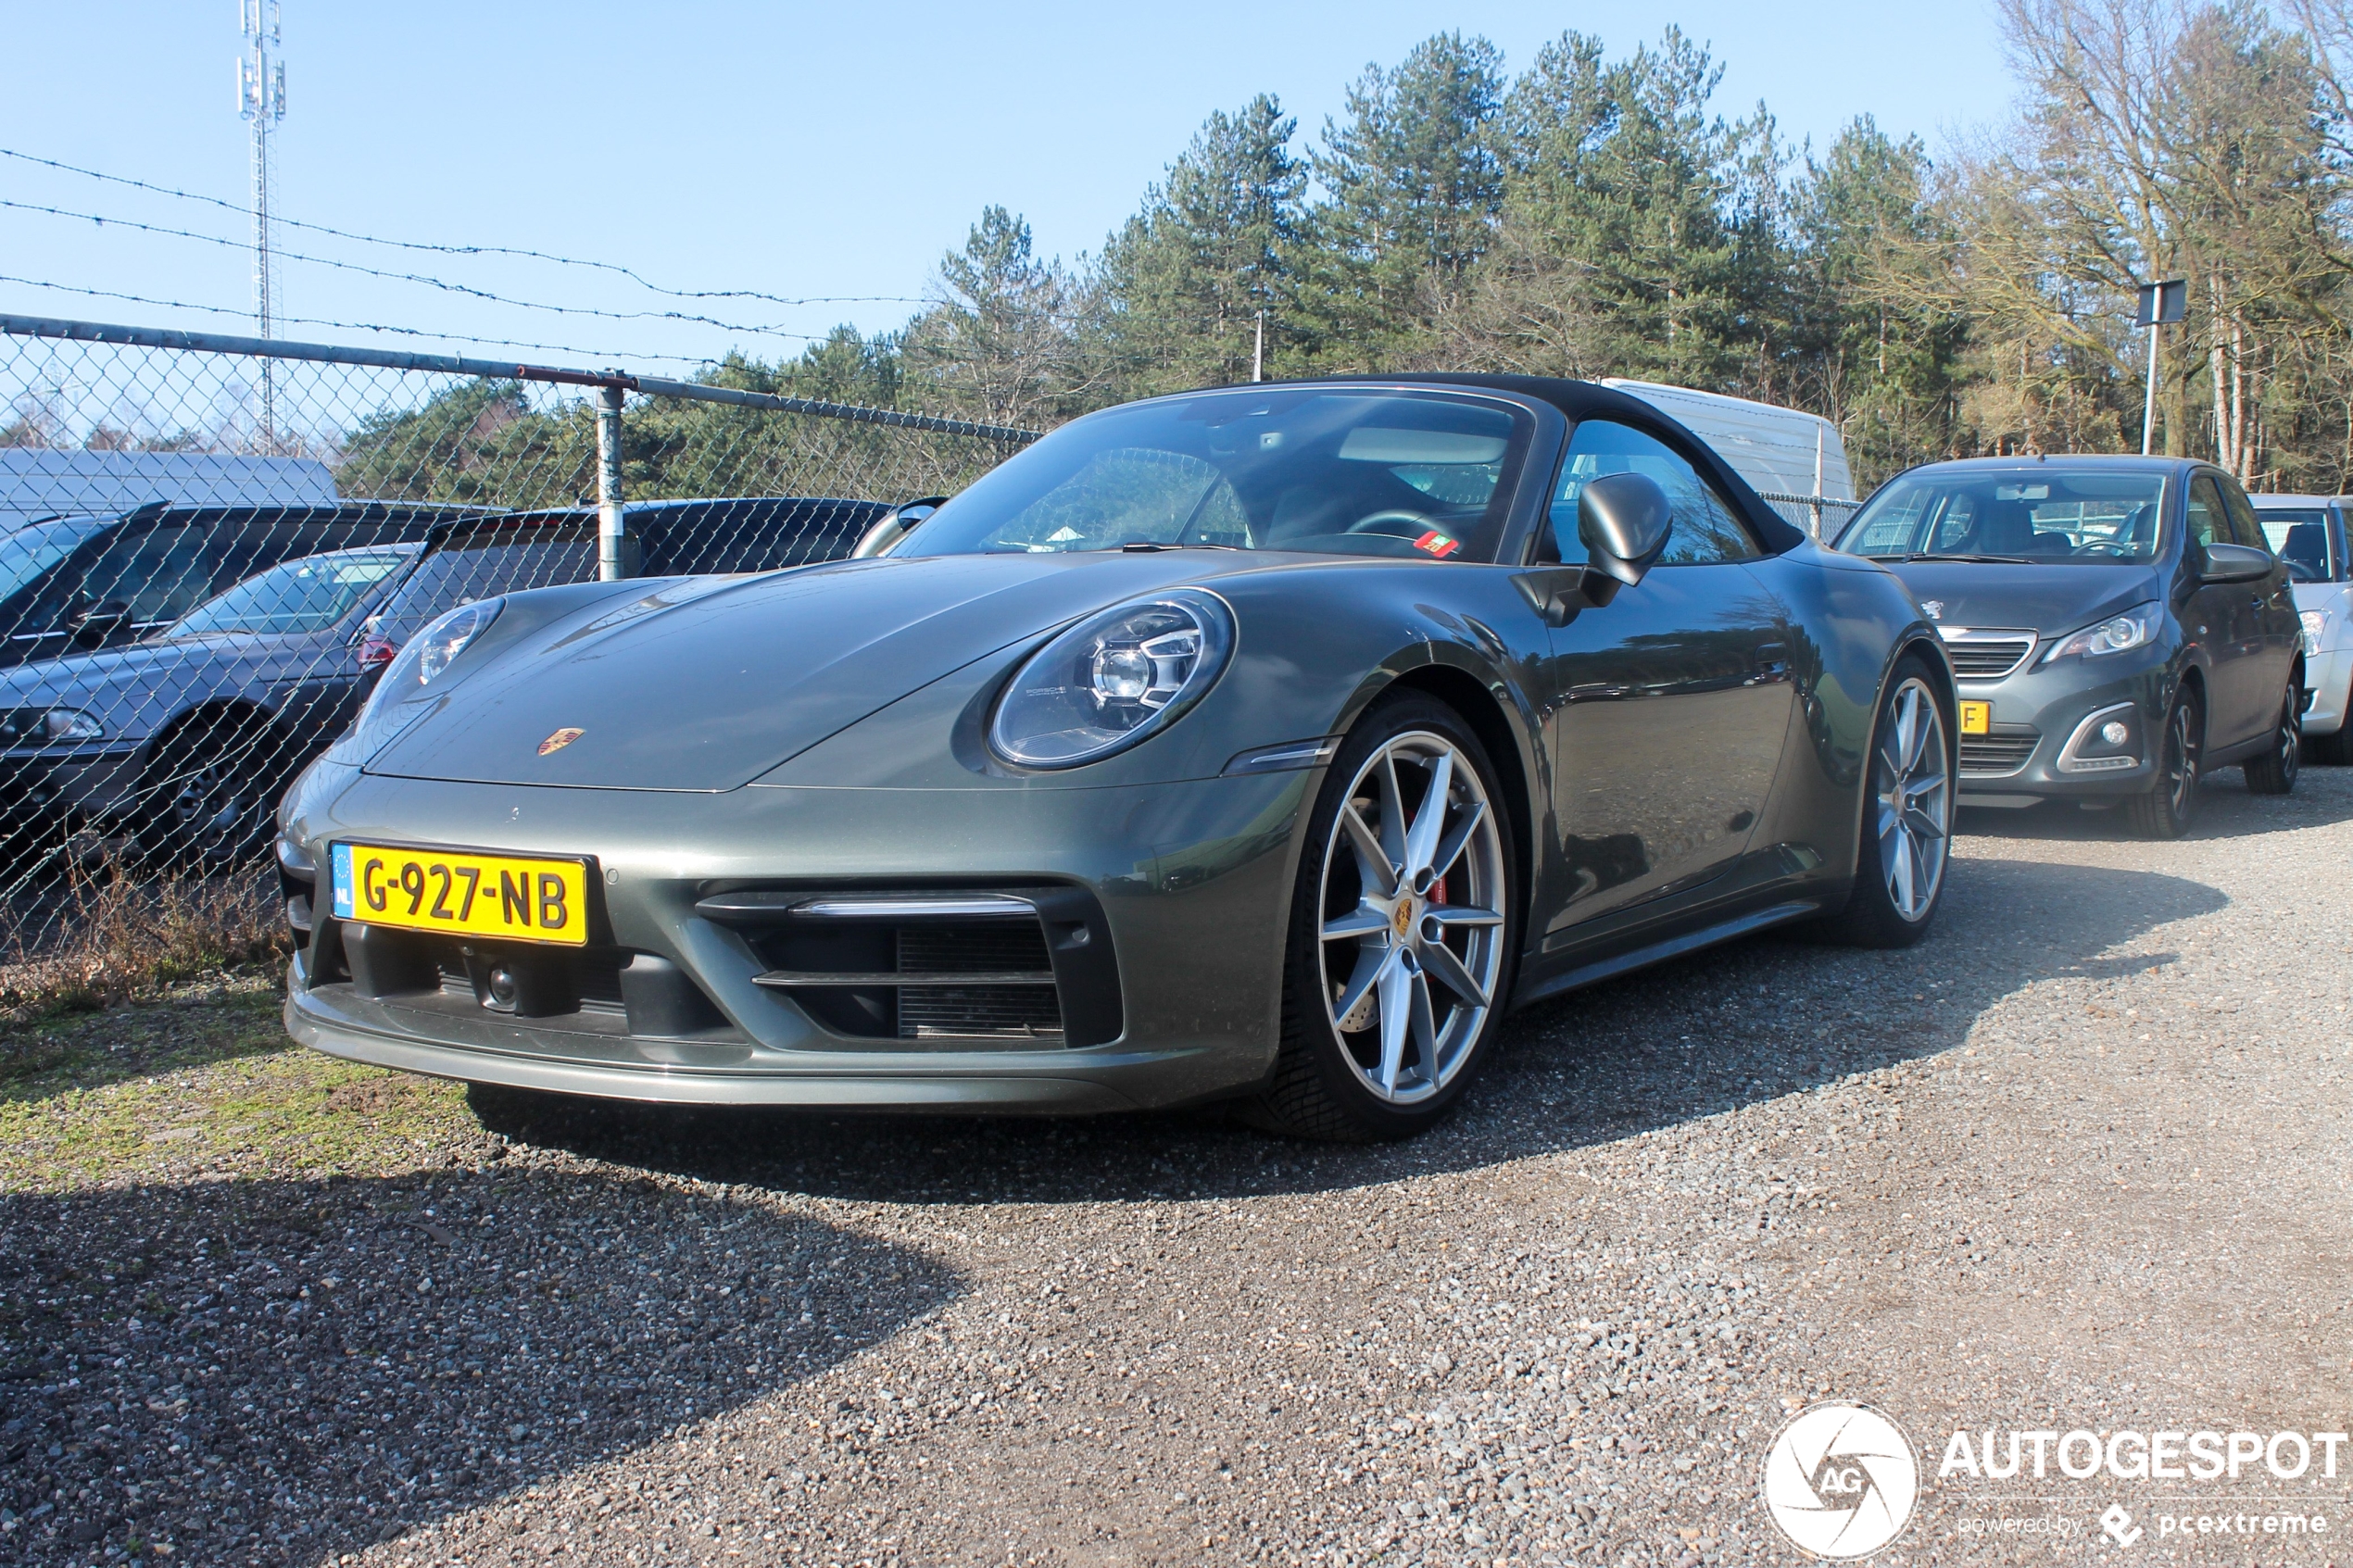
(204,1085)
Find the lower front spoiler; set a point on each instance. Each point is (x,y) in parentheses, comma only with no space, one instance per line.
(914,1084)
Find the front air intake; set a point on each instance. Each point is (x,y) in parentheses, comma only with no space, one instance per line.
(1029,966)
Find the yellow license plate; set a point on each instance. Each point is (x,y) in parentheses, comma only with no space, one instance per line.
(1977,718)
(509,896)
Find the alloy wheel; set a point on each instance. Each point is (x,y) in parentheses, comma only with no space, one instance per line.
(1412,944)
(2181,760)
(213,811)
(1912,791)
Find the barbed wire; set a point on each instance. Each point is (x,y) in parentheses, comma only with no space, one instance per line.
(442,284)
(616,267)
(585,354)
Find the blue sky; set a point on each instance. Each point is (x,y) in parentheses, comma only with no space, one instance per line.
(796,150)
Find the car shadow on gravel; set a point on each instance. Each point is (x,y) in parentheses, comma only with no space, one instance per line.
(2226,808)
(278,1371)
(1748,1022)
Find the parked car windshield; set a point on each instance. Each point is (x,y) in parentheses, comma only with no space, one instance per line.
(1428,476)
(310,594)
(2039,513)
(478,566)
(2298,535)
(32,550)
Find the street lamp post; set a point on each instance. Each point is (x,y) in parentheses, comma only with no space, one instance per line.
(2161,305)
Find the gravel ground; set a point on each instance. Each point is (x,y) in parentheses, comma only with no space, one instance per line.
(2079,1161)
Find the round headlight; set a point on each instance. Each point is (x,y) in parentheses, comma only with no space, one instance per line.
(413,671)
(1113,678)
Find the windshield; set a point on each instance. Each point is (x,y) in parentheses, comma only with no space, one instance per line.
(2298,535)
(2042,514)
(499,561)
(29,551)
(302,595)
(1343,472)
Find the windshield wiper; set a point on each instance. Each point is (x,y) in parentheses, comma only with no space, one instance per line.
(1939,555)
(1145,546)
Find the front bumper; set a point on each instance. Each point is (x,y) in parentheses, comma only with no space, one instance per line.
(2328,685)
(95,783)
(2043,708)
(1191,881)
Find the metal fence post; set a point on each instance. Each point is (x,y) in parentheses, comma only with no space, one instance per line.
(610,518)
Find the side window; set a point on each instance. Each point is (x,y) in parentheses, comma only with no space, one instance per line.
(1706,528)
(2245,528)
(159,575)
(2209,522)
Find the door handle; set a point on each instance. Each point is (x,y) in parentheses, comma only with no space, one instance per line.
(1772,661)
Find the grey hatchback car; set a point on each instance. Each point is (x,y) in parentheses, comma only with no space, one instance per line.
(2118,627)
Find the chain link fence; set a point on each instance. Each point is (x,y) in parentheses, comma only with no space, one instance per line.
(211,545)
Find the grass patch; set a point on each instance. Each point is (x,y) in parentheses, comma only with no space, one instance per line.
(126,938)
(242,1102)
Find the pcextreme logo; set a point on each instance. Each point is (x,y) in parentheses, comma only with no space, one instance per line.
(1840,1480)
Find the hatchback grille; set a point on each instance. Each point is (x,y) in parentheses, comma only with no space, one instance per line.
(2002,752)
(1987,656)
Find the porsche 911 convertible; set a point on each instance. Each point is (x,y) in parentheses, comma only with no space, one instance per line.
(1265,744)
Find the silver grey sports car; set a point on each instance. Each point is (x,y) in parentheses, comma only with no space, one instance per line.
(1265,744)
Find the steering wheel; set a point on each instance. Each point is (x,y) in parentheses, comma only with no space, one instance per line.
(2102,547)
(1396,522)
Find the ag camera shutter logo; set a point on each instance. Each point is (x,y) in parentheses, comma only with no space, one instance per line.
(1840,1480)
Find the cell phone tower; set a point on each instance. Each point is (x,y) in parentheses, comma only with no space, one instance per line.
(261,102)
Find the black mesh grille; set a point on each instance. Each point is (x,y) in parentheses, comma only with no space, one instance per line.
(998,1011)
(2000,753)
(1984,658)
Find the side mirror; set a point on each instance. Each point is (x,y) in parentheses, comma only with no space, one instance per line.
(896,525)
(1623,520)
(2235,563)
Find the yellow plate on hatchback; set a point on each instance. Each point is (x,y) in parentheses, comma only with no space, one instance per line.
(527,899)
(1977,718)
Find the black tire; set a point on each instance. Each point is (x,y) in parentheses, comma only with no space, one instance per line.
(2334,749)
(1322,1087)
(2165,811)
(210,799)
(2274,771)
(1885,907)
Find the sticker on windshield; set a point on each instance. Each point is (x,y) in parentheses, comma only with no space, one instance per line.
(1437,543)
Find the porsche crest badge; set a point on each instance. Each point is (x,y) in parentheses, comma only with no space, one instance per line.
(557,740)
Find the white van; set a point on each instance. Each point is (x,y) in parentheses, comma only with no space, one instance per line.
(1779,451)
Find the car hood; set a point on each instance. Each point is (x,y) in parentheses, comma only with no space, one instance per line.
(2049,599)
(703,685)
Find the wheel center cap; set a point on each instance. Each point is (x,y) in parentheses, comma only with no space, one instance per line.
(1401,919)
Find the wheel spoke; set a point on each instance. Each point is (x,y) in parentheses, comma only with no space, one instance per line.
(1362,920)
(1458,839)
(1392,812)
(1440,961)
(1391,987)
(1451,915)
(1899,881)
(1421,839)
(1372,861)
(1424,1026)
(1909,733)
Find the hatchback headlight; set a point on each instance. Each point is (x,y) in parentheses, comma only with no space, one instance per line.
(1113,678)
(2133,629)
(2316,626)
(39,726)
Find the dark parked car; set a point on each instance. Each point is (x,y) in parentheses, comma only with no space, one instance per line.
(186,739)
(1268,743)
(2119,626)
(519,550)
(75,584)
